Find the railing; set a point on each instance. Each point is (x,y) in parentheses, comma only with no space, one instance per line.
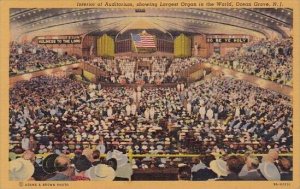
(134,85)
(131,156)
(94,70)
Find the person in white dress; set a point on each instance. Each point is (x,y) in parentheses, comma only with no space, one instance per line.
(237,111)
(128,110)
(133,109)
(178,87)
(210,114)
(189,108)
(152,112)
(202,112)
(147,114)
(109,112)
(181,86)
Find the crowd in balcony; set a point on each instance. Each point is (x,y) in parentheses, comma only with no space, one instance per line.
(30,57)
(218,115)
(267,59)
(179,64)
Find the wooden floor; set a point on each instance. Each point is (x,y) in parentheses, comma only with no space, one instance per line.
(266,84)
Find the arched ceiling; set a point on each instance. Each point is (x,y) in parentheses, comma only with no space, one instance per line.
(259,22)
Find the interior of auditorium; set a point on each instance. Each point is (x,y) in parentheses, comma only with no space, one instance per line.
(152,94)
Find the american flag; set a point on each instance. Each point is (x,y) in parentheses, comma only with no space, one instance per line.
(143,40)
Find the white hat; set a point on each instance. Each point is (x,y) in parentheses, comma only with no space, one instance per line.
(78,138)
(269,171)
(101,172)
(121,158)
(219,166)
(159,147)
(144,147)
(20,169)
(182,164)
(65,147)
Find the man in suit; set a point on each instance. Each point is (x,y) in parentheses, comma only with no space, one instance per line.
(285,165)
(234,166)
(64,170)
(252,164)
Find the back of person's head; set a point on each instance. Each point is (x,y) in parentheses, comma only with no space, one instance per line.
(29,155)
(88,153)
(62,163)
(82,164)
(207,159)
(252,162)
(273,154)
(112,163)
(96,154)
(235,164)
(285,164)
(184,173)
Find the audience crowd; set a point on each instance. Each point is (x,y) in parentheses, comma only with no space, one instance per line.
(271,60)
(268,59)
(140,70)
(64,129)
(218,115)
(29,57)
